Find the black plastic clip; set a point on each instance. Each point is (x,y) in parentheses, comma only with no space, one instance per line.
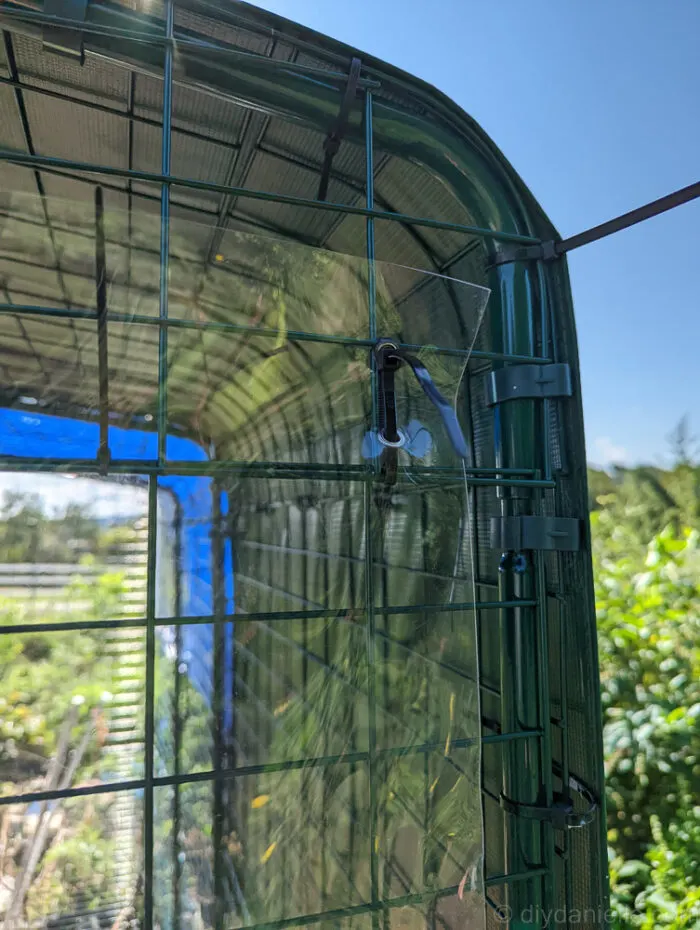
(388,359)
(331,144)
(103,453)
(66,40)
(561,814)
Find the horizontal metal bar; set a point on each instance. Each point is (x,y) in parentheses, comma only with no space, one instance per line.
(193,469)
(178,42)
(39,161)
(115,111)
(139,623)
(649,210)
(80,313)
(446,608)
(249,469)
(406,900)
(211,776)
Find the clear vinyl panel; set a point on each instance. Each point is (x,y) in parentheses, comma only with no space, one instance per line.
(265,349)
(335,728)
(313,673)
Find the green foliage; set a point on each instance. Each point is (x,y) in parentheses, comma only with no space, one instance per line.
(648,604)
(46,679)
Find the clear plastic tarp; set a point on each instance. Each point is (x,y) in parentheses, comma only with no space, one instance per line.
(302,736)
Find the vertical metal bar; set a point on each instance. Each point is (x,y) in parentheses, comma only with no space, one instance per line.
(149,726)
(153,481)
(371,271)
(372,707)
(177,723)
(165,233)
(564,723)
(102,351)
(304,665)
(517,447)
(544,346)
(218,634)
(129,185)
(28,141)
(325,568)
(543,694)
(369,544)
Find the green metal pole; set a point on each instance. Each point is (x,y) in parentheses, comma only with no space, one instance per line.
(165,236)
(47,161)
(517,447)
(220,760)
(369,543)
(149,839)
(149,724)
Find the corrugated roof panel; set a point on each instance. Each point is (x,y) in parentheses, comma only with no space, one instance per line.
(16,183)
(190,158)
(67,130)
(395,243)
(302,223)
(270,174)
(191,233)
(26,240)
(191,109)
(307,144)
(153,8)
(36,282)
(410,188)
(349,236)
(303,58)
(97,80)
(4,70)
(70,203)
(80,290)
(221,31)
(11,135)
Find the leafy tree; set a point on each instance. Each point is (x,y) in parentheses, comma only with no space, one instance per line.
(648,602)
(682,443)
(56,690)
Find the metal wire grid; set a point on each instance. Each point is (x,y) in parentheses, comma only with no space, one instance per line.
(379,903)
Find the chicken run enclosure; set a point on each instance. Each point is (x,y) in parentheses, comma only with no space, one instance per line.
(297,622)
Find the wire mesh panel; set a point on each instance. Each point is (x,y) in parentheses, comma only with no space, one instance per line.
(261,664)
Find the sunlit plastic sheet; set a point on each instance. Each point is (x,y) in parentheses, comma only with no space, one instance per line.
(267,343)
(316,684)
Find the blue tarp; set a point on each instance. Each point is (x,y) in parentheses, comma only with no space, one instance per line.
(29,433)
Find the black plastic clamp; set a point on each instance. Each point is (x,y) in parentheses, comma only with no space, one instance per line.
(561,814)
(331,144)
(515,534)
(519,382)
(61,39)
(542,251)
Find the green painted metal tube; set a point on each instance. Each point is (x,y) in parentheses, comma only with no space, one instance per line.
(39,161)
(280,615)
(149,722)
(166,145)
(251,469)
(142,319)
(348,758)
(182,41)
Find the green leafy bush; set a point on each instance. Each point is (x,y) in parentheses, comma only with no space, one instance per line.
(648,604)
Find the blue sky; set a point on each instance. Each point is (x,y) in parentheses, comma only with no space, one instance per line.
(595,103)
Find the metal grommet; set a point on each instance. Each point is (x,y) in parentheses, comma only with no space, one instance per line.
(393,445)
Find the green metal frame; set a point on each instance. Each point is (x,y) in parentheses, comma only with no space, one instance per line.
(523,471)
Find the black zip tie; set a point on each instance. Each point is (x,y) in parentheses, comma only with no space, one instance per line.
(103,454)
(561,814)
(331,144)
